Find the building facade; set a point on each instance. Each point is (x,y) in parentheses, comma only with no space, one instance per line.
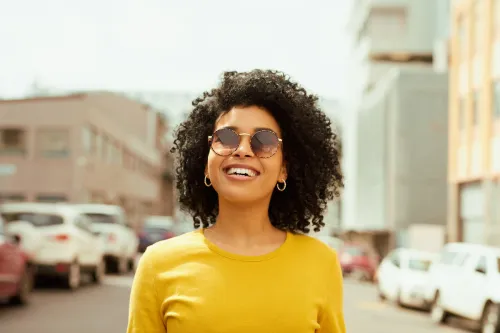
(474,122)
(90,147)
(385,34)
(396,137)
(402,146)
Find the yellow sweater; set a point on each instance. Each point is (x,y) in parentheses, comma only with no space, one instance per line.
(189,285)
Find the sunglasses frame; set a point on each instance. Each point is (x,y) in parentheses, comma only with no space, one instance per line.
(210,137)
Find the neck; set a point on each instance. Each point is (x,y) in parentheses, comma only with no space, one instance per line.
(249,221)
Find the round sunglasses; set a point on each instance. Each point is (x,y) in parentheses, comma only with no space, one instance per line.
(225,141)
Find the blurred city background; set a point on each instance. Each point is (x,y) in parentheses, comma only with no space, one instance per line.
(90,93)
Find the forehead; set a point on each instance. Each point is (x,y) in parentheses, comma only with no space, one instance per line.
(248,119)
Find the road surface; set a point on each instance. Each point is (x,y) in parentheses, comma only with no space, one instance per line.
(103,309)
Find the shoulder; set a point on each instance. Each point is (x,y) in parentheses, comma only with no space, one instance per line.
(313,247)
(174,249)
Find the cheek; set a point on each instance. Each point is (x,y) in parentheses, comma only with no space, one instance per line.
(273,167)
(213,164)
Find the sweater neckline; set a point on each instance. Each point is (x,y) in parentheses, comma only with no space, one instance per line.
(240,257)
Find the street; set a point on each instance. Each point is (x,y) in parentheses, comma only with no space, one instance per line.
(103,309)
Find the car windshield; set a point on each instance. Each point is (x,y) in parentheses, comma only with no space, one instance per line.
(155,229)
(419,264)
(37,219)
(354,251)
(101,218)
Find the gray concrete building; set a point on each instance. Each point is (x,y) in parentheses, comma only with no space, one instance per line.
(402,148)
(395,144)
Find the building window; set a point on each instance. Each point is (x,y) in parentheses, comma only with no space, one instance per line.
(50,198)
(496,198)
(12,141)
(87,139)
(111,151)
(4,198)
(478,26)
(104,148)
(496,18)
(98,145)
(119,155)
(388,22)
(53,142)
(462,40)
(475,108)
(462,112)
(496,99)
(472,213)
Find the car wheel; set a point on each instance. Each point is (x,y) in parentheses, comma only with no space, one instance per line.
(398,299)
(122,265)
(73,277)
(490,322)
(25,287)
(131,265)
(99,272)
(438,313)
(380,294)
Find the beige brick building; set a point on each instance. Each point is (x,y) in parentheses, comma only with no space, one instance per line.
(474,122)
(91,147)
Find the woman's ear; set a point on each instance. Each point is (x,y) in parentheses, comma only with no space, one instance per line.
(283,173)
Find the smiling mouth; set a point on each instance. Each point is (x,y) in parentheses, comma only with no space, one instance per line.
(241,172)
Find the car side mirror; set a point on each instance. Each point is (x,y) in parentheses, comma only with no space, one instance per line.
(16,239)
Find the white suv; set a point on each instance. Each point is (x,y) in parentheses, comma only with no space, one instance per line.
(465,281)
(58,238)
(120,240)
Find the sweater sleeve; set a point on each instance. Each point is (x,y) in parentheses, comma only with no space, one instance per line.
(144,308)
(331,316)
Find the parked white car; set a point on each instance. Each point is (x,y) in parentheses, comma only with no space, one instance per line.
(466,282)
(59,240)
(120,240)
(402,277)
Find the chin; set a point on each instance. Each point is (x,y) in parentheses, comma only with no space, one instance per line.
(239,195)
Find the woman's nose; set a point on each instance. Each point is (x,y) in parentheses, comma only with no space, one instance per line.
(245,148)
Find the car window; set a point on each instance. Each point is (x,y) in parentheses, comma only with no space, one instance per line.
(2,226)
(482,265)
(102,218)
(36,219)
(422,265)
(354,251)
(461,259)
(155,229)
(448,257)
(83,223)
(498,265)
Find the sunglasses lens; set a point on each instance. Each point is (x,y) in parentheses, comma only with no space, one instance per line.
(265,144)
(225,142)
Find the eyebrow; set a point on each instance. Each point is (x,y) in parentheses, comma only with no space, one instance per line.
(256,129)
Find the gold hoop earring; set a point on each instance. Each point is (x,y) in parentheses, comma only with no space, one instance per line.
(281,189)
(207,181)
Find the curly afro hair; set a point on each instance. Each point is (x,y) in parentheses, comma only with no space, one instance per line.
(310,150)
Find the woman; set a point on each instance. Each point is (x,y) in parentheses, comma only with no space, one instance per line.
(257,165)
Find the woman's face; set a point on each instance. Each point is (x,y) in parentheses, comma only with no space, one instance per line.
(262,174)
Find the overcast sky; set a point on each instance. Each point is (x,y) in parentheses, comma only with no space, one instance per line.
(169,44)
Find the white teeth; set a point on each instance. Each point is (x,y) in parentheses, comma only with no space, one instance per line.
(241,171)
